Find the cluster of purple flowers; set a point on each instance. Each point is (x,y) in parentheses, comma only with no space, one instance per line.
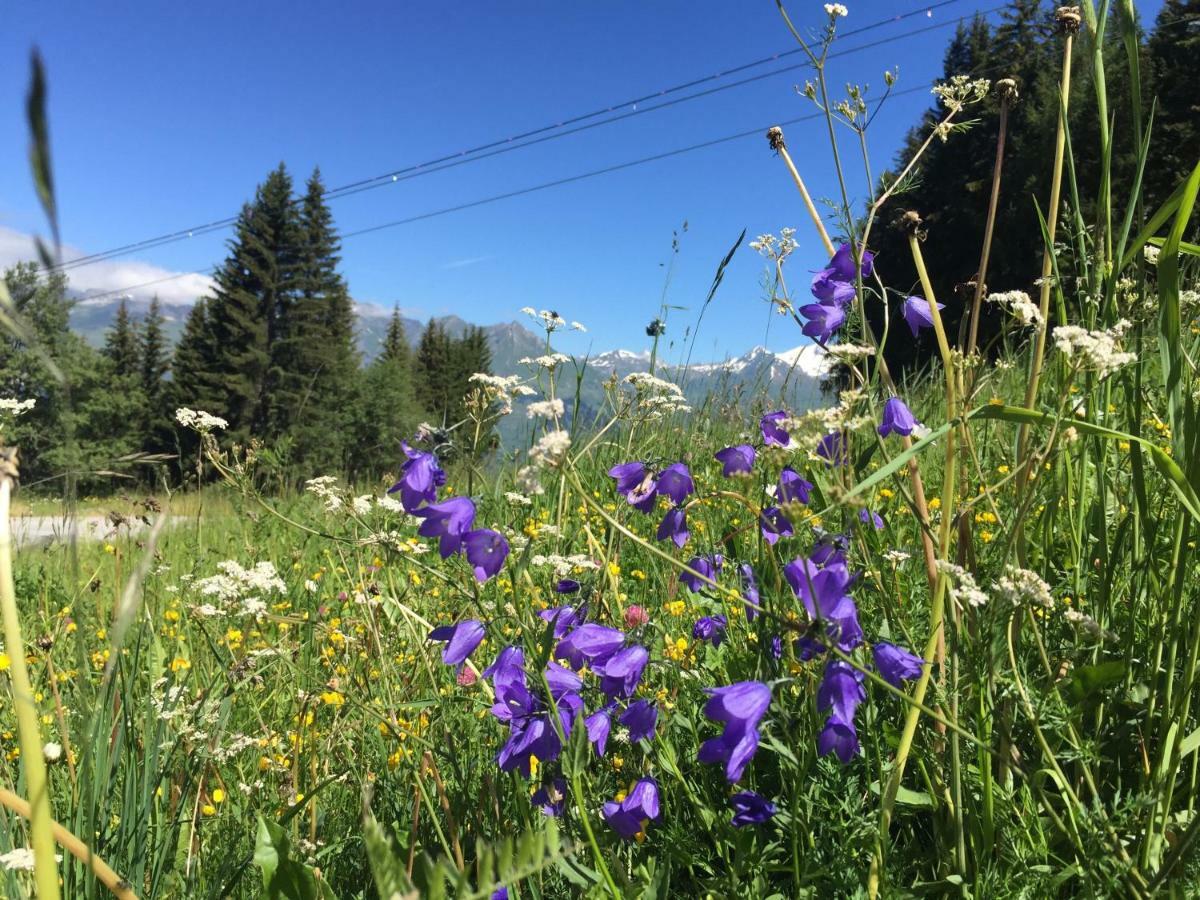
(528,705)
(640,487)
(822,582)
(449,521)
(834,290)
(740,707)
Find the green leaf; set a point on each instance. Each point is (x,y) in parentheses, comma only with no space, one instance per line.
(907,797)
(39,142)
(1087,682)
(283,877)
(391,880)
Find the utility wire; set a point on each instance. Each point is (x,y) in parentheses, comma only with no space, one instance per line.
(546,185)
(544,132)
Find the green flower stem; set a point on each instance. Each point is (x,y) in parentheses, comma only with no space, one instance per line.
(41,822)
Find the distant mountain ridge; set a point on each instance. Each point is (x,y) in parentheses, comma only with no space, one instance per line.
(791,378)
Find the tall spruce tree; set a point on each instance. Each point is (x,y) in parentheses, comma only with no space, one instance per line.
(387,411)
(250,312)
(122,345)
(154,365)
(434,367)
(314,357)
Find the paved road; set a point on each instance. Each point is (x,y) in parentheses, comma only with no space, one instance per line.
(34,530)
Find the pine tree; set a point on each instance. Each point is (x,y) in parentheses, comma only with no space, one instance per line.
(250,310)
(193,368)
(395,342)
(434,369)
(1172,53)
(315,360)
(121,345)
(155,362)
(387,411)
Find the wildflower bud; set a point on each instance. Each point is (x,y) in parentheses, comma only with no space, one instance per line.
(775,138)
(889,77)
(52,752)
(1068,19)
(910,222)
(1007,89)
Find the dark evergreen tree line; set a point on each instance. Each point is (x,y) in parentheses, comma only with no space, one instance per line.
(953,179)
(272,350)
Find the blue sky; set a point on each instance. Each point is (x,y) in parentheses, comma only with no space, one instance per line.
(166,116)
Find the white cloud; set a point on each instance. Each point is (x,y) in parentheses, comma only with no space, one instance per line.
(140,280)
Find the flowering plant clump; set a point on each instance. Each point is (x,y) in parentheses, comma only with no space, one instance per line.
(913,609)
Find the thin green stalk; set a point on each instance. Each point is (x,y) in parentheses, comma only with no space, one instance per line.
(1039,350)
(41,819)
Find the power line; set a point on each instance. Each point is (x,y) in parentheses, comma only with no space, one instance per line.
(546,132)
(546,185)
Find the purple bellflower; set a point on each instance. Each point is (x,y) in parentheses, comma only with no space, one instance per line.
(621,673)
(628,817)
(675,481)
(640,718)
(792,488)
(711,629)
(736,460)
(708,566)
(750,808)
(448,521)
(918,314)
(897,418)
(486,551)
(824,320)
(774,525)
(741,707)
(589,644)
(420,477)
(895,664)
(750,591)
(674,527)
(771,426)
(461,640)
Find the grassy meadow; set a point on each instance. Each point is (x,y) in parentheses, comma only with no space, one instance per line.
(940,637)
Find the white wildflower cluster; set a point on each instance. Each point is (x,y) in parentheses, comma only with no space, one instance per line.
(1150,252)
(1097,351)
(849,353)
(808,428)
(836,10)
(563,565)
(962,584)
(14,407)
(545,409)
(198,420)
(896,557)
(654,397)
(549,361)
(961,91)
(326,488)
(550,321)
(501,389)
(1024,588)
(20,859)
(394,540)
(547,453)
(776,248)
(191,720)
(1019,305)
(517,499)
(1086,625)
(235,584)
